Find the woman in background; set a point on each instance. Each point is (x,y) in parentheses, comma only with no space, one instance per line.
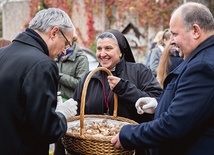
(72,67)
(157,37)
(169,60)
(158,50)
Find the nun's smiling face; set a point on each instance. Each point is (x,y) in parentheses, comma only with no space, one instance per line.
(108,52)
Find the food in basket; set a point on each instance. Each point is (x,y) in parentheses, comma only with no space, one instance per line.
(99,127)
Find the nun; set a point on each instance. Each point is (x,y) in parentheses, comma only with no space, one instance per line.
(130,80)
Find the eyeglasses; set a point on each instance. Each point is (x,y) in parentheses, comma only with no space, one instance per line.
(69,45)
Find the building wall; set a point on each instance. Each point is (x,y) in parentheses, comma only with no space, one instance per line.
(14,15)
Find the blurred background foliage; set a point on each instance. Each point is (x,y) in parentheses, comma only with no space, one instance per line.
(146,12)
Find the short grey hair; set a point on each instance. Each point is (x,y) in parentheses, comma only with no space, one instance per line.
(197,13)
(107,35)
(46,19)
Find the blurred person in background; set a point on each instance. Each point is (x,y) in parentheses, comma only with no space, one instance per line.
(157,51)
(72,66)
(153,45)
(31,119)
(169,60)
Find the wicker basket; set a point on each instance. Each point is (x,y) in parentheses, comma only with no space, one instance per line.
(89,144)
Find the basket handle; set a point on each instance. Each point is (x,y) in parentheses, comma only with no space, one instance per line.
(85,86)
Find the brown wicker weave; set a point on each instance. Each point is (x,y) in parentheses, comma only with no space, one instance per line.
(89,144)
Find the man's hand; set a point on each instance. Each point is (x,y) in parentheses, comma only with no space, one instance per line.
(67,108)
(116,141)
(146,104)
(59,98)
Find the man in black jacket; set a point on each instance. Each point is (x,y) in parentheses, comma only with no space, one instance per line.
(184,114)
(30,117)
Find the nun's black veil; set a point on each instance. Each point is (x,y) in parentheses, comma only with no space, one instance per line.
(123,45)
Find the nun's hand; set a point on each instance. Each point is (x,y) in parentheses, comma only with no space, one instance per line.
(113,81)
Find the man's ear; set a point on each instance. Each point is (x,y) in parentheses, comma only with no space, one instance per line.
(53,32)
(196,31)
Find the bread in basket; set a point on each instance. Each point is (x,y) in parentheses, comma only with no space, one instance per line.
(86,141)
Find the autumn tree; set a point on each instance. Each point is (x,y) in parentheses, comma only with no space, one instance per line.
(146,12)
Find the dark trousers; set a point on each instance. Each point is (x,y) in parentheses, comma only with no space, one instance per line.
(59,148)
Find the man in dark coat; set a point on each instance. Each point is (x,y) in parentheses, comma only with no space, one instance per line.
(30,117)
(184,117)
